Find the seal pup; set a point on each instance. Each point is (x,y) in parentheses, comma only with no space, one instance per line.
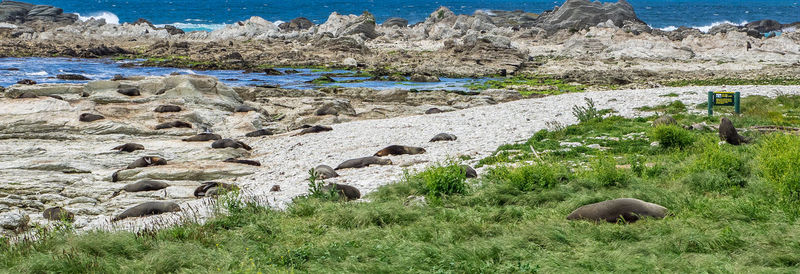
(244,108)
(230,143)
(399,150)
(728,133)
(245,162)
(345,191)
(260,132)
(363,162)
(145,185)
(469,171)
(168,108)
(314,129)
(209,189)
(174,124)
(147,161)
(147,209)
(58,214)
(325,172)
(88,117)
(443,137)
(628,209)
(132,91)
(202,137)
(129,147)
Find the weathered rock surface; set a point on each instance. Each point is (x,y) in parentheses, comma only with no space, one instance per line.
(582,14)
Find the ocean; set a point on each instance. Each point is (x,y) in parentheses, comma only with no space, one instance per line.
(213,14)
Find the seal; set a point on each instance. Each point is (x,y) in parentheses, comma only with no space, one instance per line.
(131,91)
(224,143)
(314,129)
(173,124)
(147,161)
(325,172)
(245,162)
(275,188)
(147,209)
(202,137)
(728,133)
(443,137)
(433,111)
(88,117)
(168,108)
(58,214)
(26,94)
(244,108)
(209,189)
(345,191)
(399,150)
(629,209)
(145,185)
(260,132)
(129,147)
(469,171)
(363,162)
(26,82)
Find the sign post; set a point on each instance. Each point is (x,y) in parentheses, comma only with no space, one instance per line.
(723,98)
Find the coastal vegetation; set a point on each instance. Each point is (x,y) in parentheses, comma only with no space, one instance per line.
(733,209)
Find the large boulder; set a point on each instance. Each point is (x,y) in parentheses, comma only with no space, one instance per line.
(395,22)
(764,26)
(299,23)
(346,25)
(582,14)
(19,12)
(14,220)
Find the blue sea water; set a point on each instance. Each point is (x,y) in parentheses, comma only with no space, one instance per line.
(211,14)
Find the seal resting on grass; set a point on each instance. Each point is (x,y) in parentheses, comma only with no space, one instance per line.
(202,137)
(399,150)
(147,209)
(325,172)
(629,209)
(57,214)
(129,147)
(469,171)
(224,143)
(363,162)
(443,137)
(727,133)
(345,191)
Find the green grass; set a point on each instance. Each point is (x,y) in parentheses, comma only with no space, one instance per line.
(723,199)
(734,82)
(529,85)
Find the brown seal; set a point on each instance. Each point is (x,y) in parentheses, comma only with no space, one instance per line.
(399,150)
(325,172)
(344,191)
(225,143)
(363,162)
(145,185)
(26,82)
(275,188)
(728,133)
(443,137)
(629,209)
(244,162)
(433,111)
(168,108)
(260,132)
(174,124)
(147,209)
(202,137)
(209,189)
(129,147)
(58,214)
(131,91)
(469,171)
(147,161)
(314,129)
(88,117)
(244,108)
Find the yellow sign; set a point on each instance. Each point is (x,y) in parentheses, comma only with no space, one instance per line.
(723,98)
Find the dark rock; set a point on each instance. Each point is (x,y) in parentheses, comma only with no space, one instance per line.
(103,50)
(26,82)
(58,214)
(172,30)
(142,21)
(244,108)
(19,12)
(244,162)
(27,95)
(275,188)
(764,26)
(230,143)
(88,117)
(324,79)
(424,78)
(129,91)
(395,22)
(260,132)
(168,108)
(582,14)
(174,124)
(299,23)
(664,120)
(72,77)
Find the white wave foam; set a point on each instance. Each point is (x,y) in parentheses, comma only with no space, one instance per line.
(108,16)
(278,23)
(485,11)
(187,27)
(39,73)
(706,28)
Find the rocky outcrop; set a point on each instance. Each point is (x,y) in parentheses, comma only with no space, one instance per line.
(395,22)
(19,13)
(347,25)
(299,23)
(582,14)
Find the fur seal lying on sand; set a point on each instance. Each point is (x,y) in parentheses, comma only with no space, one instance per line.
(209,189)
(443,137)
(230,143)
(433,111)
(246,162)
(168,108)
(129,91)
(147,209)
(345,191)
(399,150)
(260,132)
(202,137)
(145,185)
(58,214)
(88,117)
(325,172)
(147,161)
(244,108)
(314,129)
(628,209)
(363,162)
(129,147)
(728,133)
(470,172)
(174,124)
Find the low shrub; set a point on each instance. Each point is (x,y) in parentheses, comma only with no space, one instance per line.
(604,172)
(439,180)
(778,160)
(672,136)
(527,177)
